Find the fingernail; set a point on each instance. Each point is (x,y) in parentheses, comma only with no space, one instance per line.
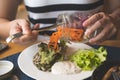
(92,41)
(86,35)
(87,32)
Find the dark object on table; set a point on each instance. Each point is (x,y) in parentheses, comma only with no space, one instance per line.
(113,59)
(3,46)
(112,74)
(103,71)
(11,77)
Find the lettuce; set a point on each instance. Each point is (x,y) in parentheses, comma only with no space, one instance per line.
(88,59)
(47,56)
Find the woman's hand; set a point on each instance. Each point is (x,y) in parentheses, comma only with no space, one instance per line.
(102,22)
(22,25)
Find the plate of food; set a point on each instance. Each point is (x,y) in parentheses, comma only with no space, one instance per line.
(41,61)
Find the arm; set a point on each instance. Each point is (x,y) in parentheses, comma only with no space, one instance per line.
(8,9)
(9,25)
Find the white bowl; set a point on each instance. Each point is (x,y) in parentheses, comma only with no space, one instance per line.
(5,67)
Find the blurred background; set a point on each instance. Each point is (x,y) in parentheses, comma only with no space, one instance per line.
(22,13)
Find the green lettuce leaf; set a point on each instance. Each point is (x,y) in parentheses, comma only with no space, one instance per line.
(88,59)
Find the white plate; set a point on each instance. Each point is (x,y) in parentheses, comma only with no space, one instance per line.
(5,67)
(25,62)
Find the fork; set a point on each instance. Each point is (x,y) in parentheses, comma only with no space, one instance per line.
(11,37)
(115,75)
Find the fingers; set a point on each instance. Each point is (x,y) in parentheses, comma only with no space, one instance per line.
(100,37)
(93,19)
(36,26)
(20,25)
(23,40)
(93,28)
(25,26)
(101,24)
(98,25)
(113,32)
(105,34)
(26,39)
(35,32)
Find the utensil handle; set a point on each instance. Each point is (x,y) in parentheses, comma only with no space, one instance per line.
(46,28)
(10,38)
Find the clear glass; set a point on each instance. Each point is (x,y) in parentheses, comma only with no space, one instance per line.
(72,28)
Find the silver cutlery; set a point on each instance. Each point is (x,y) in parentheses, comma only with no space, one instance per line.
(115,75)
(11,37)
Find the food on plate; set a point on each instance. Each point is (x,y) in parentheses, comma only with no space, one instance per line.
(47,55)
(74,34)
(65,67)
(52,55)
(89,59)
(66,34)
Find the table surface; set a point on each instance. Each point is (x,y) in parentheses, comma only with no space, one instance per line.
(12,49)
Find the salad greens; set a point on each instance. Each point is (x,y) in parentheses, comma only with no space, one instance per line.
(88,59)
(48,56)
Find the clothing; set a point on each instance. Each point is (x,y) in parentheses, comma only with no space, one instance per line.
(45,12)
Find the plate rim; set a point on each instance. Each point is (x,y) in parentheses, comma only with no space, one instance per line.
(6,63)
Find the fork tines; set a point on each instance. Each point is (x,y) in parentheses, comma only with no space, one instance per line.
(115,75)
